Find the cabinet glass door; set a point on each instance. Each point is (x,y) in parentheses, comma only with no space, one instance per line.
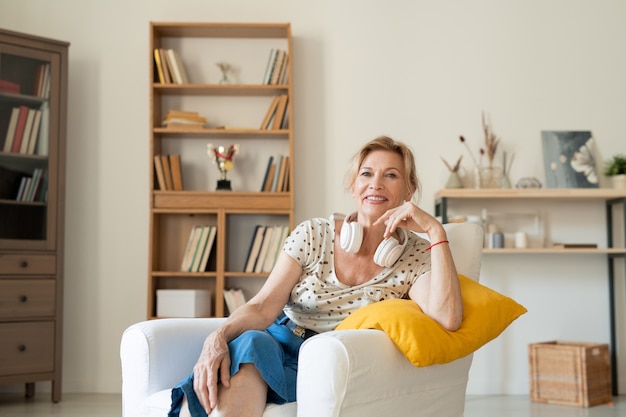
(28,163)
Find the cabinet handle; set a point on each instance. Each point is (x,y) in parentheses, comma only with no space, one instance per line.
(21,348)
(23,298)
(24,264)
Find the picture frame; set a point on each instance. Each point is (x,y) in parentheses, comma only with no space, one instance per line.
(569,159)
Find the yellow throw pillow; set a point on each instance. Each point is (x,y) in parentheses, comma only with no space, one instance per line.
(425,342)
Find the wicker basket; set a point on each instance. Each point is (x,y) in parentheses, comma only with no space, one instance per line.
(570,373)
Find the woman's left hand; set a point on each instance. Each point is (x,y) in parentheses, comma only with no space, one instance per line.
(409,216)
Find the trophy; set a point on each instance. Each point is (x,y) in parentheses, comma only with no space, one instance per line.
(223,156)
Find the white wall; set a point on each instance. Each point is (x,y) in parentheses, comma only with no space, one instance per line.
(420,71)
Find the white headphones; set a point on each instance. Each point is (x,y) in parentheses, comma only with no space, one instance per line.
(387,253)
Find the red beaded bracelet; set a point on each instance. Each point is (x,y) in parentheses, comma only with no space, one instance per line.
(435,244)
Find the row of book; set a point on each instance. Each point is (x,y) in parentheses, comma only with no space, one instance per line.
(199,247)
(276,177)
(266,244)
(179,119)
(42,81)
(234,299)
(168,172)
(277,115)
(169,67)
(276,68)
(26,130)
(33,188)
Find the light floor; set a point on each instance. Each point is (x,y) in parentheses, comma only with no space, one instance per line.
(109,405)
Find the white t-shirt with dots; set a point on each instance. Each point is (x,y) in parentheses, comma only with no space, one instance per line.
(319,301)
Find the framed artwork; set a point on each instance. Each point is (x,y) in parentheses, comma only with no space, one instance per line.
(568,159)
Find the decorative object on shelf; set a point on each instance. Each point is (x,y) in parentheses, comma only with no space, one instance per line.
(223,157)
(528,182)
(488,176)
(568,159)
(506,167)
(454,180)
(615,168)
(224,67)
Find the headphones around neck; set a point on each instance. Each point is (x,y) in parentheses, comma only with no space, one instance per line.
(387,252)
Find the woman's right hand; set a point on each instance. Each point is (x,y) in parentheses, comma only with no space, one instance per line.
(213,361)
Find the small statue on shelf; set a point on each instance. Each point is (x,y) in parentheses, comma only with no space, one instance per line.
(224,67)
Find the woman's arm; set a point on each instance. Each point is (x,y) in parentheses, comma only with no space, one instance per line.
(438,292)
(256,314)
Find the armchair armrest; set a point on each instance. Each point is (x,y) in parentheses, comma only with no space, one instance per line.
(360,373)
(157,354)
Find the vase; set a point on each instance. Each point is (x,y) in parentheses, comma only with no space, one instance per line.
(488,177)
(619,181)
(454,181)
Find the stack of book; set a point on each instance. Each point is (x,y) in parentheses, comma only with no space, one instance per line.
(276,176)
(168,172)
(199,247)
(266,244)
(178,119)
(234,299)
(276,68)
(33,188)
(10,87)
(277,115)
(23,130)
(42,81)
(169,67)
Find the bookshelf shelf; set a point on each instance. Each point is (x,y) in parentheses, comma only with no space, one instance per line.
(242,105)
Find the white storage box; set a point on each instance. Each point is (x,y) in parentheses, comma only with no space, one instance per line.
(183,303)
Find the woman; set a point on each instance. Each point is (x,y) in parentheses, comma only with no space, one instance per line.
(328,268)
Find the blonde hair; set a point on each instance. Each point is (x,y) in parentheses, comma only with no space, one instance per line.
(385,143)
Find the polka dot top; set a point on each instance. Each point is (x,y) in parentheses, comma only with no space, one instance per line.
(319,301)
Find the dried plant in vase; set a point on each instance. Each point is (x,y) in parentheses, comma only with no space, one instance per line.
(488,176)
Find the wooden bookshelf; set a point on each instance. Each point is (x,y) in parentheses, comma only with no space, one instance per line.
(31,225)
(242,105)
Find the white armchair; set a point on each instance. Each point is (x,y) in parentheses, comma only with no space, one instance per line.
(345,373)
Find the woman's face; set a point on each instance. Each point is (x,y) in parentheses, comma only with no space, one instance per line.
(380,184)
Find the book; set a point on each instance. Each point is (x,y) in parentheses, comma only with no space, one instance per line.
(280,111)
(177,175)
(10,134)
(265,245)
(270,178)
(271,110)
(9,87)
(271,61)
(267,172)
(574,245)
(44,91)
(167,66)
(180,75)
(273,249)
(199,249)
(34,134)
(167,172)
(255,247)
(208,249)
(30,118)
(158,170)
(240,299)
(280,61)
(282,78)
(185,261)
(159,66)
(42,139)
(274,186)
(19,129)
(284,162)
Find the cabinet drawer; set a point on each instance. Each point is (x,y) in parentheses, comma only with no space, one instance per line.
(26,264)
(26,298)
(26,347)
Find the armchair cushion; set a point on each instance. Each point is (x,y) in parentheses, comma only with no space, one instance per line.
(425,342)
